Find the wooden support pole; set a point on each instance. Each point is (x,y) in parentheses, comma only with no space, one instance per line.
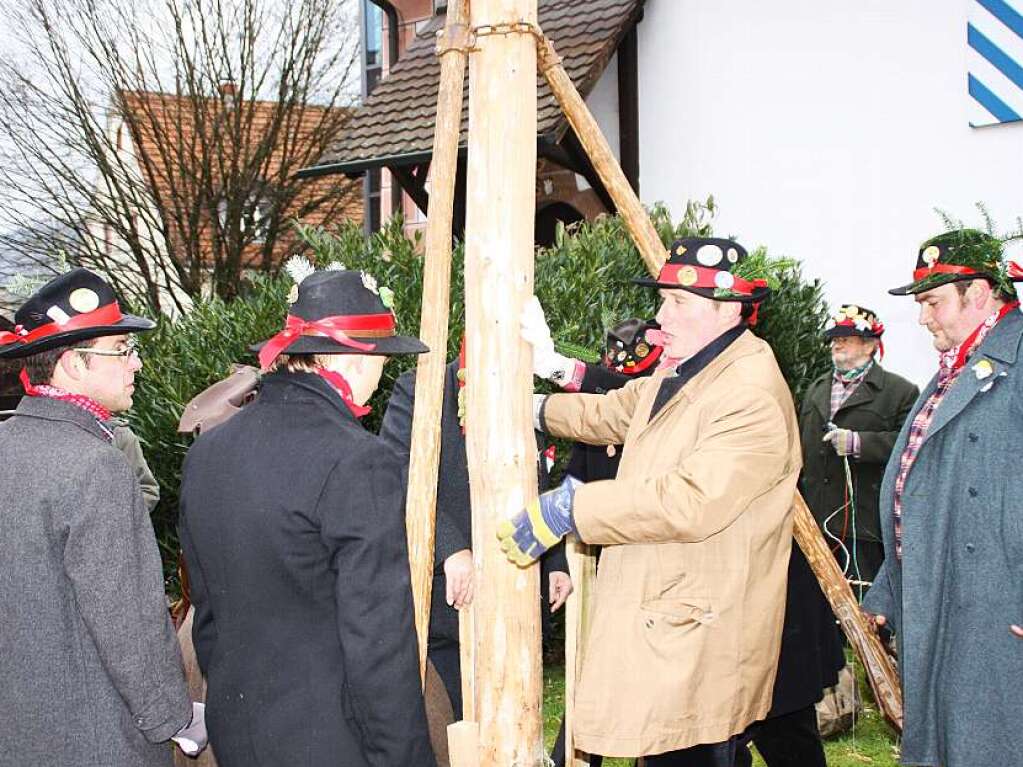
(582,566)
(464,744)
(501,202)
(883,678)
(651,249)
(421,503)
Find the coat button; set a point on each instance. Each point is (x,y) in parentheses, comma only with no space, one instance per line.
(970,547)
(827,481)
(973,437)
(649,623)
(139,721)
(972,491)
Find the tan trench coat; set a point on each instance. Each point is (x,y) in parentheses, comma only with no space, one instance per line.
(697,526)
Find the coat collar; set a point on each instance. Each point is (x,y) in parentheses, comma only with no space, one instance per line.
(284,387)
(743,346)
(1000,349)
(49,409)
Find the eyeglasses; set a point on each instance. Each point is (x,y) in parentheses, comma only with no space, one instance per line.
(130,349)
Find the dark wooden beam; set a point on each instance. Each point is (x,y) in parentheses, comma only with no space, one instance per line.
(628,108)
(581,160)
(411,185)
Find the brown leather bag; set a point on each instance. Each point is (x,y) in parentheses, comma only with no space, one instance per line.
(220,401)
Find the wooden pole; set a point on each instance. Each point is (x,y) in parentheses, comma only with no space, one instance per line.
(651,249)
(501,201)
(882,675)
(464,744)
(883,678)
(582,566)
(421,502)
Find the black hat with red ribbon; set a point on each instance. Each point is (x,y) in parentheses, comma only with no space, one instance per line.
(710,267)
(959,255)
(631,348)
(72,307)
(338,311)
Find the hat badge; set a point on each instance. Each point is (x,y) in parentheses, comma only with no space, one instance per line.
(931,255)
(687,276)
(83,300)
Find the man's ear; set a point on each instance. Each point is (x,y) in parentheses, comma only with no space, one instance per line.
(72,364)
(981,290)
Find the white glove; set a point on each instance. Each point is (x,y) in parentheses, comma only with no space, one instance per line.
(538,400)
(547,363)
(192,738)
(843,440)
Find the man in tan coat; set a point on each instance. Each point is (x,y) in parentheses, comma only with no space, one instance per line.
(696,527)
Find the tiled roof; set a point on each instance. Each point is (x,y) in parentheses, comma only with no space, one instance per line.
(396,121)
(167,128)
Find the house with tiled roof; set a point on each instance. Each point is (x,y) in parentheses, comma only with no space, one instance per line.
(389,139)
(185,155)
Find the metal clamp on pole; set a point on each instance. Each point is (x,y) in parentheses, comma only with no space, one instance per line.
(456,37)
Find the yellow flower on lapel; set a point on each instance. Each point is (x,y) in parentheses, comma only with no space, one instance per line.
(983,369)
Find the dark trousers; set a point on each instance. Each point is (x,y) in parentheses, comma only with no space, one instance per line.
(707,755)
(558,752)
(445,657)
(789,740)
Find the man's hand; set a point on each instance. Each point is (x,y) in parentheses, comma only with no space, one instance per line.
(1016,630)
(540,525)
(547,363)
(843,440)
(458,575)
(560,589)
(192,738)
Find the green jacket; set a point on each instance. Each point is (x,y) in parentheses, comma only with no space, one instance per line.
(126,441)
(876,411)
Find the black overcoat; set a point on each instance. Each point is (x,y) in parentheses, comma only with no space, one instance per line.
(293,529)
(876,411)
(589,463)
(454,511)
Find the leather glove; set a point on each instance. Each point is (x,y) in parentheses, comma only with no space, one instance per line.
(540,525)
(192,738)
(547,363)
(843,440)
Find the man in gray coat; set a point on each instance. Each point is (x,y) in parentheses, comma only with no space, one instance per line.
(951,585)
(90,664)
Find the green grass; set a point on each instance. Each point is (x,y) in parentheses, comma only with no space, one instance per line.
(871,742)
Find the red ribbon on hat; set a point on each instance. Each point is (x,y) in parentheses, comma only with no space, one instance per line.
(105,315)
(1015,270)
(927,271)
(335,328)
(707,278)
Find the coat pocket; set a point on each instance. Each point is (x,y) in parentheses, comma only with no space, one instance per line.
(678,612)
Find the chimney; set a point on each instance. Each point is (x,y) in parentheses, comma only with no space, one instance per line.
(227,93)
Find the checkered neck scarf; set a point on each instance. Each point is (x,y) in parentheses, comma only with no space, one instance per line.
(842,388)
(951,364)
(87,404)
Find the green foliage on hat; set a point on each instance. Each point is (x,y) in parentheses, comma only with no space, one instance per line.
(758,266)
(983,250)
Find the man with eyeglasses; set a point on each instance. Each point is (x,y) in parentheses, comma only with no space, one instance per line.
(90,663)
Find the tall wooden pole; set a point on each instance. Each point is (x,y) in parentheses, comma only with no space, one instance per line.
(880,672)
(421,502)
(502,451)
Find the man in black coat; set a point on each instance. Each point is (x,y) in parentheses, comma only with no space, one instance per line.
(452,563)
(292,526)
(849,421)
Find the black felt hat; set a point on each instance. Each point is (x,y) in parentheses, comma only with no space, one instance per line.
(338,312)
(854,320)
(72,307)
(961,255)
(629,350)
(710,267)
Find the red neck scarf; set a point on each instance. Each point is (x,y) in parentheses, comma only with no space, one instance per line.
(87,404)
(341,386)
(953,360)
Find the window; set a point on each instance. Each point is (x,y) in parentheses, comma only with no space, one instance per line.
(257,211)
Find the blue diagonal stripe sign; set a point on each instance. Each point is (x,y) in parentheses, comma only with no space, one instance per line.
(994,36)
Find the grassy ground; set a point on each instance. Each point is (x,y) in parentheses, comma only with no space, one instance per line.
(871,742)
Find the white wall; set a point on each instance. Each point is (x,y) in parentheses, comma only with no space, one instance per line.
(828,131)
(603,103)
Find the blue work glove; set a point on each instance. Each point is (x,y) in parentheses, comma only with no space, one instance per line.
(540,525)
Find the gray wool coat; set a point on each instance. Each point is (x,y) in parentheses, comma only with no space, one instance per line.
(960,583)
(90,667)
